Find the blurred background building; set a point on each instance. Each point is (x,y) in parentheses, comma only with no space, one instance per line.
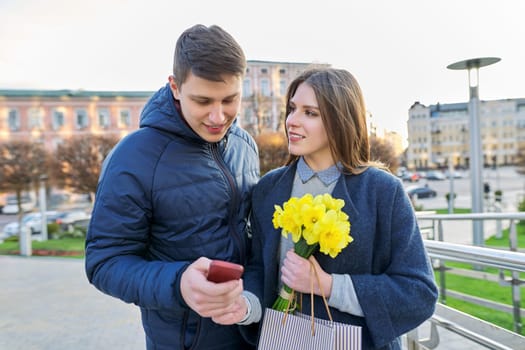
(436,132)
(439,133)
(51,116)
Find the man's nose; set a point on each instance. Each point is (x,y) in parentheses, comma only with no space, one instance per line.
(217,114)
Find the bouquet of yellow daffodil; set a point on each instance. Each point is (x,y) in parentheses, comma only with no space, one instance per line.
(313,222)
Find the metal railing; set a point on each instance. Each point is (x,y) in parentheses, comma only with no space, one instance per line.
(509,260)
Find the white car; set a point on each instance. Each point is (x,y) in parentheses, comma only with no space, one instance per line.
(32,221)
(68,219)
(27,202)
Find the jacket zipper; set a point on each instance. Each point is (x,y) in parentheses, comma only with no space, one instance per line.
(234,203)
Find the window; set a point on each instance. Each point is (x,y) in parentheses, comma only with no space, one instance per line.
(246,88)
(265,87)
(249,116)
(13,120)
(282,71)
(35,118)
(58,119)
(282,87)
(264,70)
(81,119)
(125,119)
(103,118)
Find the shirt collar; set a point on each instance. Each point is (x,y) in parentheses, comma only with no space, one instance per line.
(327,176)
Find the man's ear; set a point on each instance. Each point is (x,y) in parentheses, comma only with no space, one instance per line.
(174,87)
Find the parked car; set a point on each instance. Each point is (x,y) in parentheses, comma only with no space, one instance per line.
(28,203)
(436,175)
(420,192)
(68,219)
(411,177)
(33,221)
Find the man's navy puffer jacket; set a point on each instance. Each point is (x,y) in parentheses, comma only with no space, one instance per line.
(165,198)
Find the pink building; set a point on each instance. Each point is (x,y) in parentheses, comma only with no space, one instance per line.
(50,116)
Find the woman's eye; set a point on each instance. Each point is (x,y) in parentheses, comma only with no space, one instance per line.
(310,113)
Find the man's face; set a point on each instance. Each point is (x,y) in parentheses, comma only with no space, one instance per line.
(209,107)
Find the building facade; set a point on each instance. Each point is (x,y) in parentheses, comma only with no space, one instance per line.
(51,116)
(264,93)
(439,134)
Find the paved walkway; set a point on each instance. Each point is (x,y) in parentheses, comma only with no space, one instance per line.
(47,304)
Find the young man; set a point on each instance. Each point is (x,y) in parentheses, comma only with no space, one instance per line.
(175,194)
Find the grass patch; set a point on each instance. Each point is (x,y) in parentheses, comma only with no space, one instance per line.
(484,289)
(488,290)
(504,240)
(499,318)
(52,246)
(455,211)
(479,288)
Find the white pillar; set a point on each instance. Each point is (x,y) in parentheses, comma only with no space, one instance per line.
(43,209)
(25,241)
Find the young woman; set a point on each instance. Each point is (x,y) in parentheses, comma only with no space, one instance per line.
(383,280)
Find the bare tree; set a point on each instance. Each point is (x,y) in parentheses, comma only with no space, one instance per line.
(21,165)
(520,159)
(78,161)
(381,150)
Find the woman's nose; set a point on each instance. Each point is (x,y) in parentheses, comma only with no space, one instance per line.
(291,119)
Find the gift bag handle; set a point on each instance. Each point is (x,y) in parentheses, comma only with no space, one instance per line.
(312,267)
(291,296)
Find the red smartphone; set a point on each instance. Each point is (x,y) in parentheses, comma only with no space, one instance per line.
(224,271)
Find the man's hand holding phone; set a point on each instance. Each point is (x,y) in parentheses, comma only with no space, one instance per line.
(207,300)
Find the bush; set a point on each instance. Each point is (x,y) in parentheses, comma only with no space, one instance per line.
(273,150)
(447,196)
(53,230)
(14,238)
(521,207)
(498,195)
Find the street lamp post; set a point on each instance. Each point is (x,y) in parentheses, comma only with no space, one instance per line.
(42,200)
(476,185)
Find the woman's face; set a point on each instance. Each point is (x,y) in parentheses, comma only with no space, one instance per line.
(306,132)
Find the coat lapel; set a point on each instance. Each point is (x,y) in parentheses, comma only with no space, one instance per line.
(342,191)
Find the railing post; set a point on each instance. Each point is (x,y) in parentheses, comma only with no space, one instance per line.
(442,269)
(515,281)
(499,230)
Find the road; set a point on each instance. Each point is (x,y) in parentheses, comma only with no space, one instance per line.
(506,179)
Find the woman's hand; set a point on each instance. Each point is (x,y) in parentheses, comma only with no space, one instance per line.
(297,273)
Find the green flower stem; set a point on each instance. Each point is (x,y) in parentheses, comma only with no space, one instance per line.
(304,250)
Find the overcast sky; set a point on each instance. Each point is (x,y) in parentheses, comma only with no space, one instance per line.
(398,50)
